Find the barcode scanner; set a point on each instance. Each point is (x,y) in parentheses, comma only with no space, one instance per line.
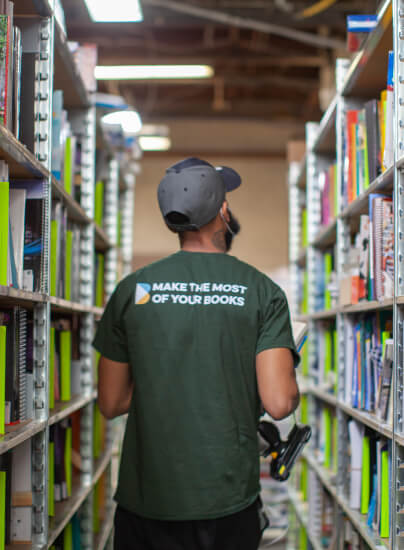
(284,453)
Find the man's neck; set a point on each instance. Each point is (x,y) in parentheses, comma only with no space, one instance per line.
(204,243)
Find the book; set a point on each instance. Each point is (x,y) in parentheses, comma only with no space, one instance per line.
(17,226)
(356,435)
(21,493)
(5,64)
(4,230)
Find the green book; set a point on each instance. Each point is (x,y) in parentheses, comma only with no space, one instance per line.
(65,364)
(68,537)
(365,483)
(305,238)
(385,497)
(305,302)
(68,165)
(304,410)
(68,265)
(52,343)
(99,291)
(4,228)
(335,365)
(51,479)
(3,482)
(327,422)
(96,512)
(302,539)
(327,274)
(54,232)
(68,460)
(304,481)
(99,203)
(328,357)
(97,432)
(3,340)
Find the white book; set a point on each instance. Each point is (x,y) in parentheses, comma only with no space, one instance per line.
(356,434)
(299,330)
(17,225)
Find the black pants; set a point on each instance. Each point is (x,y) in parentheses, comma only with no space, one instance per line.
(240,531)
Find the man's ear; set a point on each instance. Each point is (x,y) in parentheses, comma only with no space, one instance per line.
(225,211)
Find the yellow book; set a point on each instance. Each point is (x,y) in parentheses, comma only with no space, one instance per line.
(3,340)
(4,228)
(68,460)
(65,365)
(52,368)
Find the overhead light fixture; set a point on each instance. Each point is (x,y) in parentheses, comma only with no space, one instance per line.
(147,72)
(155,143)
(130,121)
(118,11)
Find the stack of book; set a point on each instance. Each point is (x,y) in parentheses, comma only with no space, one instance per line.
(326,281)
(21,208)
(369,364)
(64,360)
(16,495)
(325,371)
(64,255)
(70,538)
(16,367)
(66,149)
(99,503)
(10,69)
(368,142)
(369,272)
(370,478)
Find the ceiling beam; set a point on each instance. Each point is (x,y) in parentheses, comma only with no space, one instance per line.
(125,58)
(248,23)
(247,81)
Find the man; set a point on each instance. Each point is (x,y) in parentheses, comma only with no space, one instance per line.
(191,346)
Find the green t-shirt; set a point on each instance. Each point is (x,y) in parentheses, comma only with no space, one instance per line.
(190,326)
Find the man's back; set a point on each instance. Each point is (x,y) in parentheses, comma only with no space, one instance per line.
(193,324)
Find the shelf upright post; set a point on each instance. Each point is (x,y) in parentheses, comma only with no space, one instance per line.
(294,235)
(313,259)
(42,150)
(110,222)
(127,206)
(342,67)
(397,496)
(83,122)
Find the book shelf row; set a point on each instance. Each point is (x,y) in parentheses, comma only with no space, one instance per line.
(347,283)
(65,241)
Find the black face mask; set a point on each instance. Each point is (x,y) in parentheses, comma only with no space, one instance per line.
(233,228)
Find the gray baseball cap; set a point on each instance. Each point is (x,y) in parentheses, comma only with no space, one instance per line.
(192,191)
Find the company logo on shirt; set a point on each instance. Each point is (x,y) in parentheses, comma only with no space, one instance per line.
(191,293)
(142,294)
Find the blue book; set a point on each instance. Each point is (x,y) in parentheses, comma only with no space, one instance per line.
(361,23)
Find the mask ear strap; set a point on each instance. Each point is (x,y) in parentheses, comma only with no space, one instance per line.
(226,224)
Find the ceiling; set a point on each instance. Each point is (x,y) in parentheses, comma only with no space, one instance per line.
(268,59)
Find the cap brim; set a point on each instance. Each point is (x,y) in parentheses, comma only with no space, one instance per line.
(230,177)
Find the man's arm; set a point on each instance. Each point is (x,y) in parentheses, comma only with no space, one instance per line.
(276,380)
(115,387)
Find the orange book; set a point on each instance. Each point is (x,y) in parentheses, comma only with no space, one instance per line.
(351,121)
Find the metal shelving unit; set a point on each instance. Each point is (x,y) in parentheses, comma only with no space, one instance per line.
(355,82)
(56,69)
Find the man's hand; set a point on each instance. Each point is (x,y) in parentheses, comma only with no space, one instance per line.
(115,387)
(276,380)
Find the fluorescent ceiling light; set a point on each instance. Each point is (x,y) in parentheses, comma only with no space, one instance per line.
(130,121)
(155,130)
(154,143)
(146,72)
(118,11)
